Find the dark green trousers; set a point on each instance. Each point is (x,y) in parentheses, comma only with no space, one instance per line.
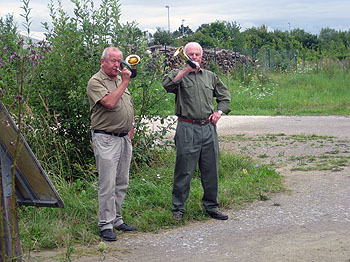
(196,144)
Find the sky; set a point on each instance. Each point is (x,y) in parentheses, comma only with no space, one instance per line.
(309,15)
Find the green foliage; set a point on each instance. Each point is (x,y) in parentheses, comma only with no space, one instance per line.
(77,43)
(48,227)
(8,45)
(163,37)
(228,35)
(217,34)
(309,90)
(147,204)
(307,40)
(182,30)
(59,109)
(150,100)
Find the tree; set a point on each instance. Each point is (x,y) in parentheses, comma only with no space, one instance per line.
(308,40)
(258,37)
(217,34)
(162,37)
(181,31)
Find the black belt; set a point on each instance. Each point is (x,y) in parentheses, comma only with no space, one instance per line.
(198,122)
(109,133)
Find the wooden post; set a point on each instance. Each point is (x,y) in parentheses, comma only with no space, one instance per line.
(6,238)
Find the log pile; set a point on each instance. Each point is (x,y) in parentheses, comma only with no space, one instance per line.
(226,60)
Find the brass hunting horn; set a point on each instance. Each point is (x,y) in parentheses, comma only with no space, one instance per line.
(180,52)
(130,62)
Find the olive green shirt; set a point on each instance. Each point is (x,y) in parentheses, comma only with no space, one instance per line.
(195,94)
(116,120)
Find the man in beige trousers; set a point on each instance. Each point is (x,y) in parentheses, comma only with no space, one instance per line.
(112,127)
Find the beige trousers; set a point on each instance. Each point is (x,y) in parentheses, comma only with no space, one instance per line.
(113,156)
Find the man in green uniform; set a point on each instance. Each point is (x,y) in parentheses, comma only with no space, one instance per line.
(196,138)
(112,119)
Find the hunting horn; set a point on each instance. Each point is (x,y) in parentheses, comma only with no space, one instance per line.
(180,52)
(130,62)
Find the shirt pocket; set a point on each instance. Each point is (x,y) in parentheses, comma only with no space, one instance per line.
(187,92)
(208,91)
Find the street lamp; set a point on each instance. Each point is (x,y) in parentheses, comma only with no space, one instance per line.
(168,18)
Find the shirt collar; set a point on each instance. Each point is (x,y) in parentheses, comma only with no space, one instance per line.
(104,76)
(200,70)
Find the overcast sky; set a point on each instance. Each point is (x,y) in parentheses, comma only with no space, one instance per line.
(310,15)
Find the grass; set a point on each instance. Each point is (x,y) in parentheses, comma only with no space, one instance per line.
(323,162)
(148,202)
(305,92)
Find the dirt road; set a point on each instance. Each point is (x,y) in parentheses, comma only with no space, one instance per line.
(308,222)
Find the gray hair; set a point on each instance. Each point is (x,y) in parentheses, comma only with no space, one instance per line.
(105,53)
(194,43)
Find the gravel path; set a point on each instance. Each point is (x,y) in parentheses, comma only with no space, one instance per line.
(308,222)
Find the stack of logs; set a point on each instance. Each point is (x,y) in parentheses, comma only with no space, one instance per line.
(226,60)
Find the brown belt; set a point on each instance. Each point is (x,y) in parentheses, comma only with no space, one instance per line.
(198,122)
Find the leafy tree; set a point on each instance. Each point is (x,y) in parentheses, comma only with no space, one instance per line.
(181,31)
(162,37)
(308,40)
(327,36)
(202,39)
(345,37)
(258,37)
(217,34)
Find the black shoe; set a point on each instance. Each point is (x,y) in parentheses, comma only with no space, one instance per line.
(217,215)
(108,235)
(124,227)
(178,216)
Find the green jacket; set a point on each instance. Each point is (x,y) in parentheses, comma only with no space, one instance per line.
(195,94)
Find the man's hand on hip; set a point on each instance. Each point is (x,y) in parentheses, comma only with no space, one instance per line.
(214,117)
